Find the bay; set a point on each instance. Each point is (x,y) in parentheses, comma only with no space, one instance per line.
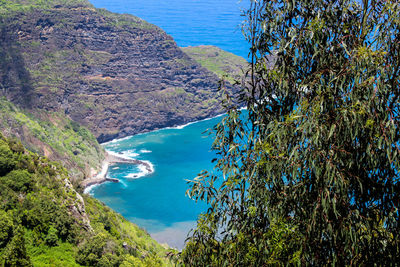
(156,201)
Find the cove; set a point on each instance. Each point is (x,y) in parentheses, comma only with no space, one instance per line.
(156,201)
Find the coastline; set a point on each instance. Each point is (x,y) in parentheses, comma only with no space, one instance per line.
(101,177)
(176,127)
(112,158)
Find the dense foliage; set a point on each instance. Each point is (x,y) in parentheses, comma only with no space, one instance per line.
(311,177)
(52,134)
(44,221)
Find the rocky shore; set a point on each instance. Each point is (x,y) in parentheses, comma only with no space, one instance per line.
(110,159)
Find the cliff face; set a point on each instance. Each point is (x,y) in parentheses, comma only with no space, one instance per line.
(116,74)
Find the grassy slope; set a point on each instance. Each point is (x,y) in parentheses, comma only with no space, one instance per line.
(43,220)
(222,63)
(7,6)
(53,135)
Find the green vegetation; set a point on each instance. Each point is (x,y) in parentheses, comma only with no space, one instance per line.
(9,6)
(54,135)
(224,64)
(126,20)
(311,176)
(45,222)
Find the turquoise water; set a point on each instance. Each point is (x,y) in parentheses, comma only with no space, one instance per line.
(157,201)
(191,22)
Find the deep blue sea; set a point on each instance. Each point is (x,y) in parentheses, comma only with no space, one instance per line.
(157,201)
(191,22)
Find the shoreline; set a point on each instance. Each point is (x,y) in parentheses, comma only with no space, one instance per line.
(177,127)
(112,158)
(101,177)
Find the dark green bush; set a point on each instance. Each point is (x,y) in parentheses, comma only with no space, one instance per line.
(64,224)
(52,237)
(16,146)
(109,260)
(18,180)
(7,158)
(6,228)
(15,253)
(91,252)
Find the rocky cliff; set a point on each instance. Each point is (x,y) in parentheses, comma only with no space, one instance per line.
(116,74)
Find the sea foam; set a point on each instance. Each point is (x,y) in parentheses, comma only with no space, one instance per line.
(129,154)
(117,140)
(143,171)
(180,127)
(88,190)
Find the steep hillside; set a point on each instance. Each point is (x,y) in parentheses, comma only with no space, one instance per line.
(116,74)
(45,222)
(55,136)
(224,64)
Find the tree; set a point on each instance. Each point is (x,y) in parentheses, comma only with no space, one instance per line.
(6,228)
(51,237)
(99,251)
(318,153)
(18,180)
(15,254)
(7,160)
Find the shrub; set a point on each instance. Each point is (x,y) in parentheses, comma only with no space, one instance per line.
(18,180)
(6,228)
(15,254)
(51,237)
(7,159)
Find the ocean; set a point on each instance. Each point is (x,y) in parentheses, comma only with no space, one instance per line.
(191,22)
(156,201)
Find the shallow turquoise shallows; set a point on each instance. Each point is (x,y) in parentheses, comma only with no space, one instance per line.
(191,22)
(157,201)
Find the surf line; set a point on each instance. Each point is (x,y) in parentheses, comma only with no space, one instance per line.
(110,159)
